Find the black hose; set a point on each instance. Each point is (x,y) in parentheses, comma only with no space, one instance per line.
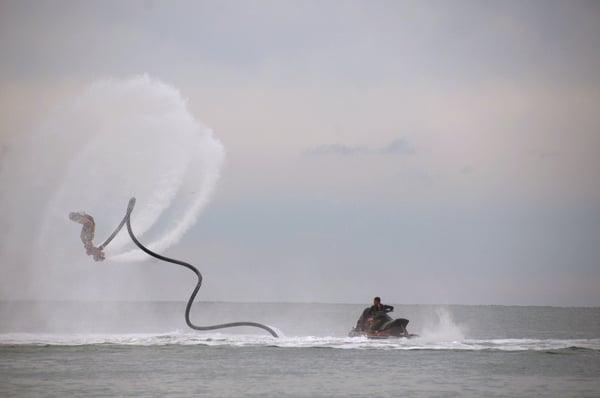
(188,307)
(123,221)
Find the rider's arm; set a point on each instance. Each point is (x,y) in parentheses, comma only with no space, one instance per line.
(388,308)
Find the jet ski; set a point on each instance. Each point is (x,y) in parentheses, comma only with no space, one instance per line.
(379,325)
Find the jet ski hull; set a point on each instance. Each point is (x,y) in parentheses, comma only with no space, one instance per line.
(390,328)
(408,336)
(381,335)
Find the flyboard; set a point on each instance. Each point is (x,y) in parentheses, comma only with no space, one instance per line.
(97,252)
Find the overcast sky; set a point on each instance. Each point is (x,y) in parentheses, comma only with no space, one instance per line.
(426,152)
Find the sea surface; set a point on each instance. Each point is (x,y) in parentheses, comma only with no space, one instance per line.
(145,349)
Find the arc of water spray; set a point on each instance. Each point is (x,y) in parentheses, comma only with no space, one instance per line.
(188,307)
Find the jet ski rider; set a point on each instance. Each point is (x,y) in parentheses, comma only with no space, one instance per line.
(374,317)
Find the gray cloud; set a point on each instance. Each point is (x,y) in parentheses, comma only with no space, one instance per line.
(542,153)
(467,169)
(398,146)
(338,149)
(3,153)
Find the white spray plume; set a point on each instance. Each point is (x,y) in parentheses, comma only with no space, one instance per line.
(443,329)
(118,139)
(127,138)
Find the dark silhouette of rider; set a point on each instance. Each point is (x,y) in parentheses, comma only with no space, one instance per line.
(378,307)
(375,316)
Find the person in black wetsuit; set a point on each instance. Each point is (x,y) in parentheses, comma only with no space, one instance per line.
(375,316)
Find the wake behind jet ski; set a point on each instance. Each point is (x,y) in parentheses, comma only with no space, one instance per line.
(375,323)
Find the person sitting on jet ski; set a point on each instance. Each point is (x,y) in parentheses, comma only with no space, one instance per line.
(376,314)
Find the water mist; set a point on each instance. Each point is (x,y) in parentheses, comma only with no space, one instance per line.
(119,138)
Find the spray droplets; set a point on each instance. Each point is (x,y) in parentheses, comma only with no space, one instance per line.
(123,138)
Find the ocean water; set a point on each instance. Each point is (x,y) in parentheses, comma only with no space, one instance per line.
(145,349)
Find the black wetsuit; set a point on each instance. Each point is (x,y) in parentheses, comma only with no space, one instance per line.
(379,313)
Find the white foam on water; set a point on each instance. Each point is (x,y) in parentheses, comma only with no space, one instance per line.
(443,329)
(222,339)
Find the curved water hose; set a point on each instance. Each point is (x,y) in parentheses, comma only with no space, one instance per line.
(123,221)
(188,307)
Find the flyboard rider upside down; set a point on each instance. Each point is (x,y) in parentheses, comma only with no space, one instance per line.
(88,230)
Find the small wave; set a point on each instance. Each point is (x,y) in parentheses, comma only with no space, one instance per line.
(360,343)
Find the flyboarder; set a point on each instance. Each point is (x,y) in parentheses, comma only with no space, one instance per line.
(87,234)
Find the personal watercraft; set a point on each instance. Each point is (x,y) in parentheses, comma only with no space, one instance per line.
(379,325)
